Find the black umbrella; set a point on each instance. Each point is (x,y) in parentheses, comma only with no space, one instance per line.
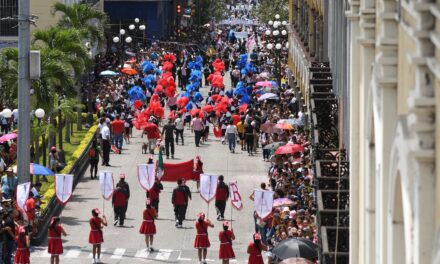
(295,247)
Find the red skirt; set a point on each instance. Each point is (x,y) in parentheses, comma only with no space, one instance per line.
(226,251)
(202,241)
(253,259)
(54,246)
(95,237)
(148,227)
(22,256)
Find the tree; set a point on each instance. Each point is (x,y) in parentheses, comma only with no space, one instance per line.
(267,9)
(90,23)
(208,10)
(8,76)
(84,18)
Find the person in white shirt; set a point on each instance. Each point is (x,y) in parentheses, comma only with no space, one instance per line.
(231,135)
(180,125)
(106,146)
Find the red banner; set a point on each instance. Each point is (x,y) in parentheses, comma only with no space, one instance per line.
(174,171)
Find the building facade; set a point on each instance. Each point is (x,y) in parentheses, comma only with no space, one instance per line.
(394,105)
(383,60)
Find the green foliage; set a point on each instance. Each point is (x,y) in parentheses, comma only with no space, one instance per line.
(86,19)
(267,9)
(210,9)
(67,41)
(8,76)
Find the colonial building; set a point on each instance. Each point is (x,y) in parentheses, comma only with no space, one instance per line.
(368,72)
(394,98)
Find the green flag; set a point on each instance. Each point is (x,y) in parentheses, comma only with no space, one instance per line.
(160,164)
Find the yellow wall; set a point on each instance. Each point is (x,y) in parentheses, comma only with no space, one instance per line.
(42,8)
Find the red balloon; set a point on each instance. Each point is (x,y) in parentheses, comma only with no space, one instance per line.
(159,89)
(137,104)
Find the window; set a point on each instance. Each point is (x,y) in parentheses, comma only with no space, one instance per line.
(8,8)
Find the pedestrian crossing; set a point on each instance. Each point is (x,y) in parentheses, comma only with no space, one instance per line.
(122,255)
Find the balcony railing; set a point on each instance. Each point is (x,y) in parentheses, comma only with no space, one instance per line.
(330,166)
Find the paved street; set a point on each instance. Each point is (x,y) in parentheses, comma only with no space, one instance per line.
(126,245)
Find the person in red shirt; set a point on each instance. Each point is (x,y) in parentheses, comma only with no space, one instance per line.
(221,196)
(148,227)
(180,201)
(119,202)
(118,132)
(54,242)
(254,250)
(153,194)
(226,236)
(202,240)
(153,134)
(30,211)
(95,236)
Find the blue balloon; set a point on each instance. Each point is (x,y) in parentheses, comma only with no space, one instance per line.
(189,106)
(198,96)
(185,94)
(229,93)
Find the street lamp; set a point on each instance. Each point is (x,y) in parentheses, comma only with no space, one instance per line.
(275,33)
(284,32)
(122,31)
(268,32)
(278,46)
(131,27)
(277,16)
(39,113)
(128,40)
(116,39)
(269,46)
(270,23)
(136,20)
(284,23)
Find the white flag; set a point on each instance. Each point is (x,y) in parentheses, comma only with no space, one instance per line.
(23,194)
(208,186)
(263,201)
(63,187)
(107,184)
(236,201)
(146,175)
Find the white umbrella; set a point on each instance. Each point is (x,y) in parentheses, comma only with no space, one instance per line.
(108,73)
(267,96)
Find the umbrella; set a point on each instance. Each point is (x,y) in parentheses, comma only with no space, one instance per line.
(208,108)
(274,145)
(37,169)
(264,84)
(295,247)
(284,126)
(269,128)
(108,73)
(282,202)
(289,149)
(7,137)
(296,261)
(268,96)
(129,71)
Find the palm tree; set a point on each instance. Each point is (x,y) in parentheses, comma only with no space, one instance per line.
(89,22)
(8,76)
(84,18)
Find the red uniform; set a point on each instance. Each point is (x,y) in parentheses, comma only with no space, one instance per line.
(153,193)
(255,256)
(54,243)
(202,240)
(95,236)
(226,251)
(148,226)
(22,255)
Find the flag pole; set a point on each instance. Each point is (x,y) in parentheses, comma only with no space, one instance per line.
(209,194)
(103,198)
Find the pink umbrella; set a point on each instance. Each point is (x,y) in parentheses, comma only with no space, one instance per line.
(282,202)
(264,84)
(8,137)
